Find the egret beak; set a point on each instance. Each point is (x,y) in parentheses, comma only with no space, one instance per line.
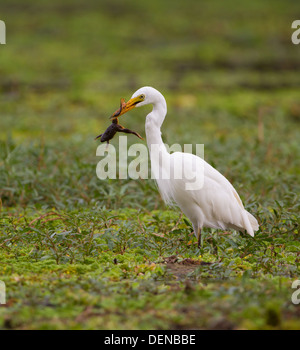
(125,107)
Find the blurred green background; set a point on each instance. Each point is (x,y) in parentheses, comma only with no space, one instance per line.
(74,247)
(230,74)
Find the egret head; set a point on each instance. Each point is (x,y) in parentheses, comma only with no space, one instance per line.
(143,96)
(146,94)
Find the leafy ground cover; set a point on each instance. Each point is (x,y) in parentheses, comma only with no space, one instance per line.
(77,252)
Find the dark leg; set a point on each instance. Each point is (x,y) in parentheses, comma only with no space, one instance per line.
(98,136)
(199,237)
(128,131)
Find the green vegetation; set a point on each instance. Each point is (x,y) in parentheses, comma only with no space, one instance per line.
(80,253)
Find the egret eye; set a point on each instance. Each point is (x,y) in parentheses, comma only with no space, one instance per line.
(142,97)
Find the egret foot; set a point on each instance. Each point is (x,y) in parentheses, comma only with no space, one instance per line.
(199,237)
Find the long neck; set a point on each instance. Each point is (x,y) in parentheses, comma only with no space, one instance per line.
(154,122)
(159,156)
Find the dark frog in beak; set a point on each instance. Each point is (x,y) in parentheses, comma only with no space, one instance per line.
(115,127)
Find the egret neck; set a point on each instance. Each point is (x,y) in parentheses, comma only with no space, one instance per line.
(159,156)
(154,122)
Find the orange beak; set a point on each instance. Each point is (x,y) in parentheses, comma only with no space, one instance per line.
(125,107)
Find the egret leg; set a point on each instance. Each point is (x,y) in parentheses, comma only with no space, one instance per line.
(199,237)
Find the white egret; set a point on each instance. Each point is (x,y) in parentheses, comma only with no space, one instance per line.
(214,204)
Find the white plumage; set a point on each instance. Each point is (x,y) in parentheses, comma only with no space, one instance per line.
(215,204)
